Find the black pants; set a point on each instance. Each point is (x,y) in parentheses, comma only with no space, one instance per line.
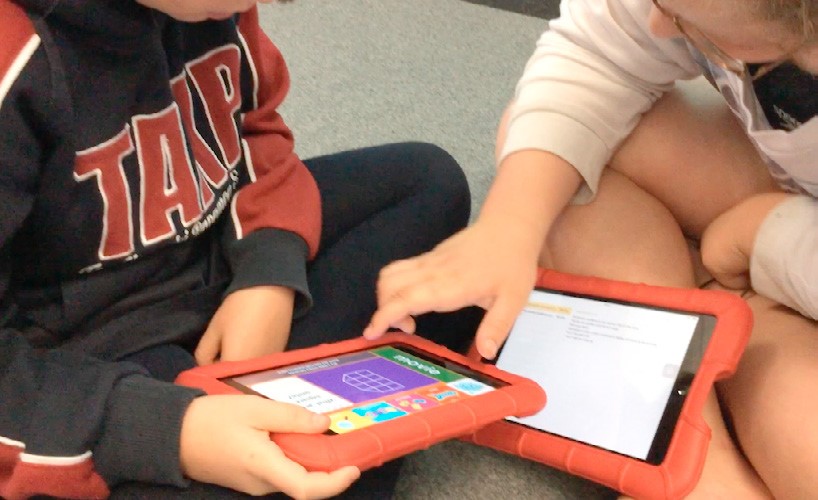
(379,204)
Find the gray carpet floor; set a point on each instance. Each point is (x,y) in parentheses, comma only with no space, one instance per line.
(372,71)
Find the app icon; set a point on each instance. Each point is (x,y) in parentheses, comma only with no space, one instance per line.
(441,394)
(412,402)
(470,386)
(347,420)
(379,411)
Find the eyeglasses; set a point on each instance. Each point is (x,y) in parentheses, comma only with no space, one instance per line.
(711,51)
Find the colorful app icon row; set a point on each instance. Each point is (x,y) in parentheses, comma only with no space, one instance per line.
(403,404)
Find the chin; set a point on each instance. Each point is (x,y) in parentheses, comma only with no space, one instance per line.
(219,16)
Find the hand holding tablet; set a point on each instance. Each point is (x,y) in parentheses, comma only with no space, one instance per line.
(385,398)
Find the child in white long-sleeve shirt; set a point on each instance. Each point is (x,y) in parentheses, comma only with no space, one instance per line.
(700,189)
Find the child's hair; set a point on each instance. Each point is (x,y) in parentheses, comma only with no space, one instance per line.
(798,15)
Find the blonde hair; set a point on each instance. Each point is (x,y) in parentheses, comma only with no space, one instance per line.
(797,15)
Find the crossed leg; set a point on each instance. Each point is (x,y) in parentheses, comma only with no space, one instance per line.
(686,163)
(772,400)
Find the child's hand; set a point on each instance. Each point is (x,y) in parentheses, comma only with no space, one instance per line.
(225,440)
(727,243)
(491,265)
(250,323)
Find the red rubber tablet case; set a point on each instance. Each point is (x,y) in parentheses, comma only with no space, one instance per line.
(681,467)
(370,446)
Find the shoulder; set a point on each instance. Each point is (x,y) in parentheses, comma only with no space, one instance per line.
(18,41)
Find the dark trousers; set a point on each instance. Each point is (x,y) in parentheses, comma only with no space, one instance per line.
(379,204)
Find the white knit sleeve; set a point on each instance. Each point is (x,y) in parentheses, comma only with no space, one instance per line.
(784,261)
(592,75)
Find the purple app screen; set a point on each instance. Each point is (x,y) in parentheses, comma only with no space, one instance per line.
(369,379)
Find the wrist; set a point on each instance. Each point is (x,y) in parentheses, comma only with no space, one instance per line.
(269,298)
(520,233)
(144,419)
(531,190)
(754,211)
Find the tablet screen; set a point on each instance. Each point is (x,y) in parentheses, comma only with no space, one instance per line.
(364,388)
(615,373)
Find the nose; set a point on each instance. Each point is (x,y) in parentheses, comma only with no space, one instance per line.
(662,25)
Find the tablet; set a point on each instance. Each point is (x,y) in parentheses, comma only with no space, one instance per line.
(627,368)
(385,398)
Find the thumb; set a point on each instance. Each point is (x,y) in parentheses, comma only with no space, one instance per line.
(208,349)
(495,327)
(276,416)
(406,325)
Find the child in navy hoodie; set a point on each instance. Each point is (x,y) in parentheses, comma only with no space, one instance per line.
(153,214)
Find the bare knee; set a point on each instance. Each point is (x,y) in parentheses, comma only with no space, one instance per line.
(690,152)
(624,234)
(772,401)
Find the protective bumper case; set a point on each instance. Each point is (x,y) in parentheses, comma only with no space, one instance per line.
(681,468)
(371,446)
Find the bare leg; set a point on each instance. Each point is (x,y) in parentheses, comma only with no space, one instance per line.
(690,152)
(773,400)
(643,243)
(624,234)
(686,162)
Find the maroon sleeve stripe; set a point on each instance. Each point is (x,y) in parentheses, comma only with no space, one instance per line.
(24,475)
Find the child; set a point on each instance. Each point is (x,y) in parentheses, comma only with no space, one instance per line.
(153,211)
(599,90)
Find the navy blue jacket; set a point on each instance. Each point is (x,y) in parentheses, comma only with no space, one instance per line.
(144,174)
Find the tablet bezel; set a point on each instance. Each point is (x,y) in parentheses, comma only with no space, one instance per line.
(691,363)
(412,350)
(373,445)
